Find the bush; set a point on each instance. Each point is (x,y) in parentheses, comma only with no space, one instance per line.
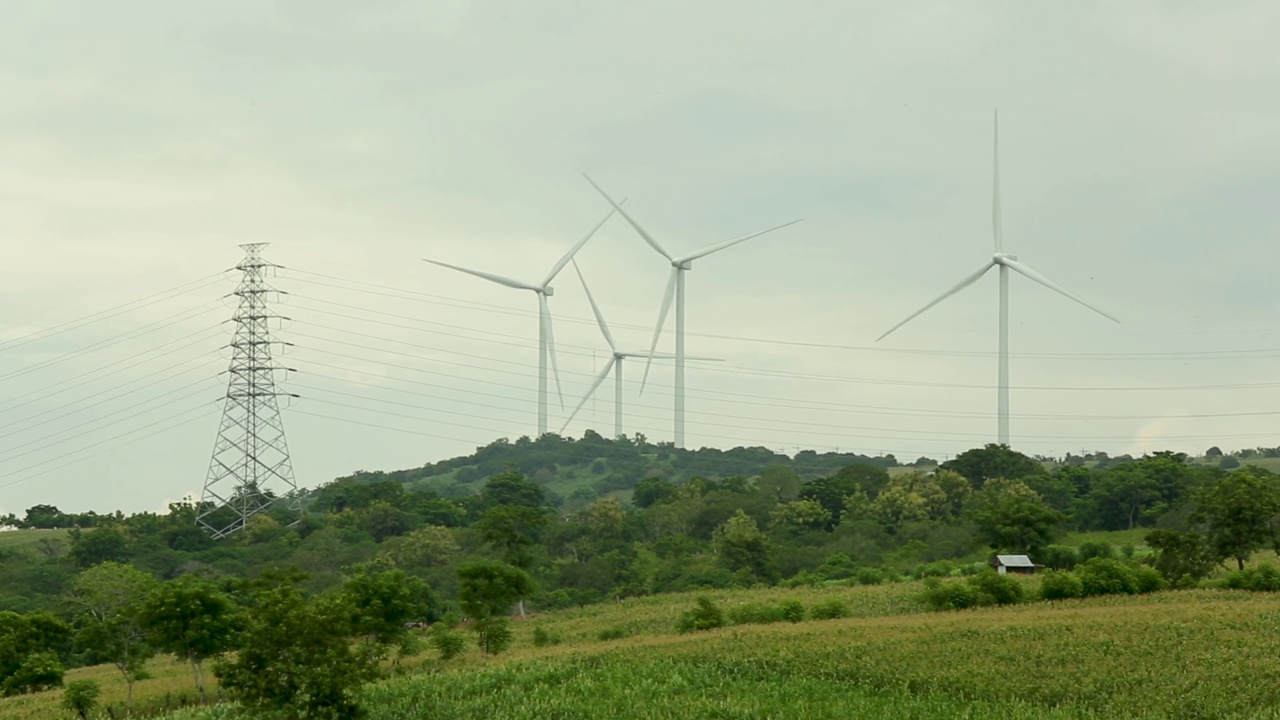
(957,595)
(544,638)
(1264,578)
(1059,557)
(831,610)
(1147,579)
(996,589)
(449,643)
(870,576)
(38,671)
(1101,576)
(1060,585)
(705,616)
(1091,550)
(792,610)
(80,697)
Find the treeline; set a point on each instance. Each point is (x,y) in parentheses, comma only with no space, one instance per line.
(858,523)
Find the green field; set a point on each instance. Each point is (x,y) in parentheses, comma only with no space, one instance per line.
(1190,654)
(29,538)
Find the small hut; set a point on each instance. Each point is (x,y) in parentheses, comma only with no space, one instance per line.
(1020,564)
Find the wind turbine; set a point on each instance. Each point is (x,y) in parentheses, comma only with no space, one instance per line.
(546,339)
(1005,262)
(675,286)
(615,361)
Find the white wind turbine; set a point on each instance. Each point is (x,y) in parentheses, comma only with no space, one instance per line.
(615,361)
(675,286)
(1005,262)
(546,339)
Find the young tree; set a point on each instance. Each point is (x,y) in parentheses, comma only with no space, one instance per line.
(112,596)
(191,618)
(29,651)
(1240,513)
(296,659)
(380,603)
(742,546)
(488,590)
(1183,558)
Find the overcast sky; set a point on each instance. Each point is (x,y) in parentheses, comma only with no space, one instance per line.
(142,141)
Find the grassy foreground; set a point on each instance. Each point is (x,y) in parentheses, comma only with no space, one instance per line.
(1193,654)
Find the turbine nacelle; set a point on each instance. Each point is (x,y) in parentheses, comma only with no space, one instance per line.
(1002,258)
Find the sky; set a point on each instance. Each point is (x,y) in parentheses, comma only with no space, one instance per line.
(142,141)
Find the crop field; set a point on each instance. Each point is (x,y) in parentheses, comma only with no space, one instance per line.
(1192,654)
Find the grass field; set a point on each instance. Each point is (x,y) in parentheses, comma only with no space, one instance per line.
(1193,654)
(29,538)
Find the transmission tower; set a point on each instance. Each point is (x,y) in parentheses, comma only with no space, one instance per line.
(250,470)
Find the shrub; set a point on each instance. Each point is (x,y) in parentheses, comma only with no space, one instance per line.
(870,576)
(831,610)
(80,697)
(1101,576)
(1147,579)
(792,610)
(949,595)
(705,616)
(38,671)
(1059,557)
(1091,550)
(1264,578)
(996,589)
(1060,585)
(543,638)
(450,644)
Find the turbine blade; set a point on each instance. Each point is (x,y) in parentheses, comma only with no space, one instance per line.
(1028,272)
(555,269)
(665,356)
(487,276)
(997,223)
(662,318)
(969,280)
(730,243)
(643,233)
(551,344)
(599,379)
(604,327)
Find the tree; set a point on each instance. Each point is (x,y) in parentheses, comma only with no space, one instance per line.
(383,520)
(430,546)
(1183,558)
(1239,513)
(1213,452)
(993,461)
(29,651)
(101,545)
(742,546)
(651,491)
(830,492)
(112,597)
(381,603)
(779,483)
(191,618)
(296,659)
(1121,494)
(511,488)
(80,697)
(488,589)
(1010,516)
(799,516)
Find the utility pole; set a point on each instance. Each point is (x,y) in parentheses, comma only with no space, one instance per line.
(250,470)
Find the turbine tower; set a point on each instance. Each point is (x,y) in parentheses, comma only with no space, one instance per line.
(546,339)
(1005,262)
(250,469)
(675,287)
(615,363)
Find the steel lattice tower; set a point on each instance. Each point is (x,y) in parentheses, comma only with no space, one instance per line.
(250,470)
